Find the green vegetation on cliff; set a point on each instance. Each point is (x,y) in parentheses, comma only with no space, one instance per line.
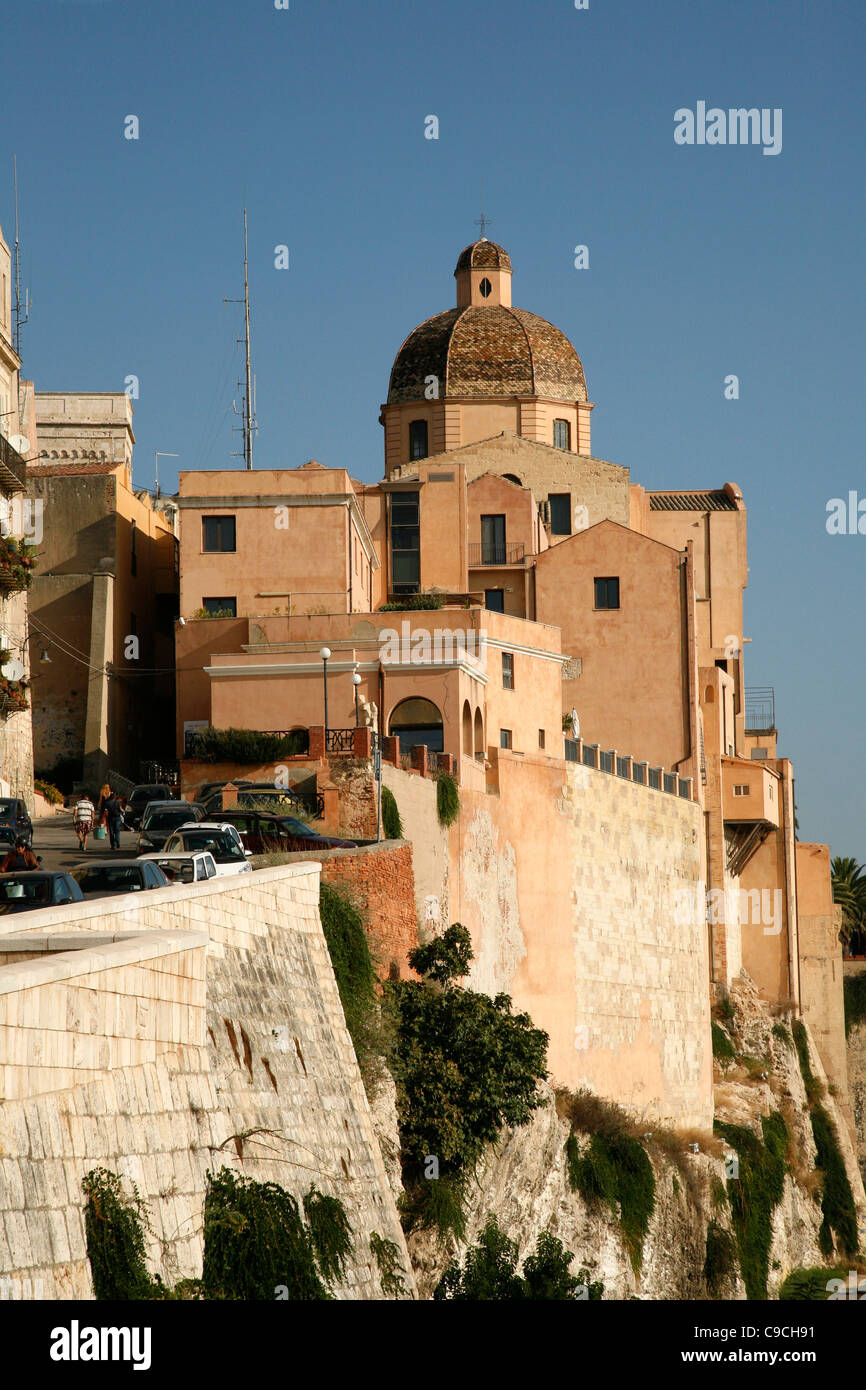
(755,1192)
(489,1272)
(839,1225)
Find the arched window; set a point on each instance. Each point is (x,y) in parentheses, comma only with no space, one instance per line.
(417,721)
(479,735)
(467,730)
(418,439)
(512,478)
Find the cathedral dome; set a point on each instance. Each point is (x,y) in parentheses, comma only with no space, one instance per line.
(485,347)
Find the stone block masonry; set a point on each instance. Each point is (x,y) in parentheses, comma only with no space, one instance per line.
(379,881)
(266,1083)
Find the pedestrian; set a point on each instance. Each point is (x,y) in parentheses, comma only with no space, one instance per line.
(19,858)
(82,819)
(104,794)
(113,819)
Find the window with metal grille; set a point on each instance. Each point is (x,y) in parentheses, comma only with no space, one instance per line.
(607,593)
(218,533)
(561,434)
(507,671)
(418,439)
(560,513)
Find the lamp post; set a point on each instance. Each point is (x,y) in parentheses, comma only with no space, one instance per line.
(324,653)
(356,681)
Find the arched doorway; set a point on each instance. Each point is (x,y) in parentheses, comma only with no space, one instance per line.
(466,747)
(417,721)
(479,735)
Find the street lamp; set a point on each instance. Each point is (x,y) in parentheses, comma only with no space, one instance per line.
(324,653)
(356,681)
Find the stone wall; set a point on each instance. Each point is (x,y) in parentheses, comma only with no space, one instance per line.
(269,1087)
(378,879)
(857,1076)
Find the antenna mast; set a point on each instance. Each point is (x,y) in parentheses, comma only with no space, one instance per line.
(21,316)
(249,419)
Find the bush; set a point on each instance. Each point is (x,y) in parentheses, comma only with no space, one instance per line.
(51,793)
(755,1193)
(447,799)
(391,823)
(839,1224)
(809,1285)
(855,1000)
(355,973)
(723,1048)
(720,1259)
(413,603)
(387,1258)
(615,1170)
(489,1272)
(248,746)
(114,1230)
(464,1066)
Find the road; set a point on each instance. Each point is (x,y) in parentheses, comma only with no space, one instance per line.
(55,840)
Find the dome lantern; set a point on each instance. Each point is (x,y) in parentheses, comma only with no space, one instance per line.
(483,275)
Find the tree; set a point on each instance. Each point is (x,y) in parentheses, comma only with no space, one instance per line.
(849,891)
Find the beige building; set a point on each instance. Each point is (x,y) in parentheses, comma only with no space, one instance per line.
(17,524)
(104,600)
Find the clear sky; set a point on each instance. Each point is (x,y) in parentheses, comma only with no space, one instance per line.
(705,260)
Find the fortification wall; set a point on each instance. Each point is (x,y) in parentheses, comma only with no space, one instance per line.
(581,894)
(159,1082)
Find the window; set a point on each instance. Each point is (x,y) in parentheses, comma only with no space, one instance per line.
(222,607)
(742,789)
(218,533)
(607,593)
(507,671)
(541,738)
(405,543)
(494,600)
(133,559)
(759,753)
(560,513)
(504,738)
(561,434)
(418,439)
(485,287)
(493,539)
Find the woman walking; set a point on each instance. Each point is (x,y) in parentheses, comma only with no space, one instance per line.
(104,794)
(82,819)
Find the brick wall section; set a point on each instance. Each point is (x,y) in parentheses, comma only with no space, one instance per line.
(379,879)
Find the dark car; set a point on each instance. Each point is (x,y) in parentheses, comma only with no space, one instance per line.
(14,821)
(29,889)
(138,799)
(161,818)
(207,791)
(270,800)
(103,878)
(264,834)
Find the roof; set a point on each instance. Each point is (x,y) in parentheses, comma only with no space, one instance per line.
(487,350)
(691,502)
(483,253)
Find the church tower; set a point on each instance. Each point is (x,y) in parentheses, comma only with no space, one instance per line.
(484,368)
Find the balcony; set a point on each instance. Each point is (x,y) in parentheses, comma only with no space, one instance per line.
(760,709)
(495,553)
(13,469)
(751,793)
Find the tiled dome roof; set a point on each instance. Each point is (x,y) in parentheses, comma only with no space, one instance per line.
(487,350)
(483,253)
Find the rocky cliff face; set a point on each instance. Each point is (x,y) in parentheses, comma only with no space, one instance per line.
(524,1182)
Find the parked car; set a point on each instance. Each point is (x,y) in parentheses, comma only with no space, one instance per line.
(184,868)
(24,891)
(264,834)
(160,818)
(274,800)
(104,878)
(14,821)
(219,839)
(138,799)
(206,791)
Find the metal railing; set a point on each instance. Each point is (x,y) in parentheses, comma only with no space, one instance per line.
(628,768)
(13,468)
(760,708)
(495,553)
(340,741)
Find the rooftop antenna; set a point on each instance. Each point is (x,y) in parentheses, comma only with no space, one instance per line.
(157,455)
(249,423)
(21,314)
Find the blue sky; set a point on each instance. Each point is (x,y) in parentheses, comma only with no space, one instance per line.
(704,261)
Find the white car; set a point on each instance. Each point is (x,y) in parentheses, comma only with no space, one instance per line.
(185,868)
(217,838)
